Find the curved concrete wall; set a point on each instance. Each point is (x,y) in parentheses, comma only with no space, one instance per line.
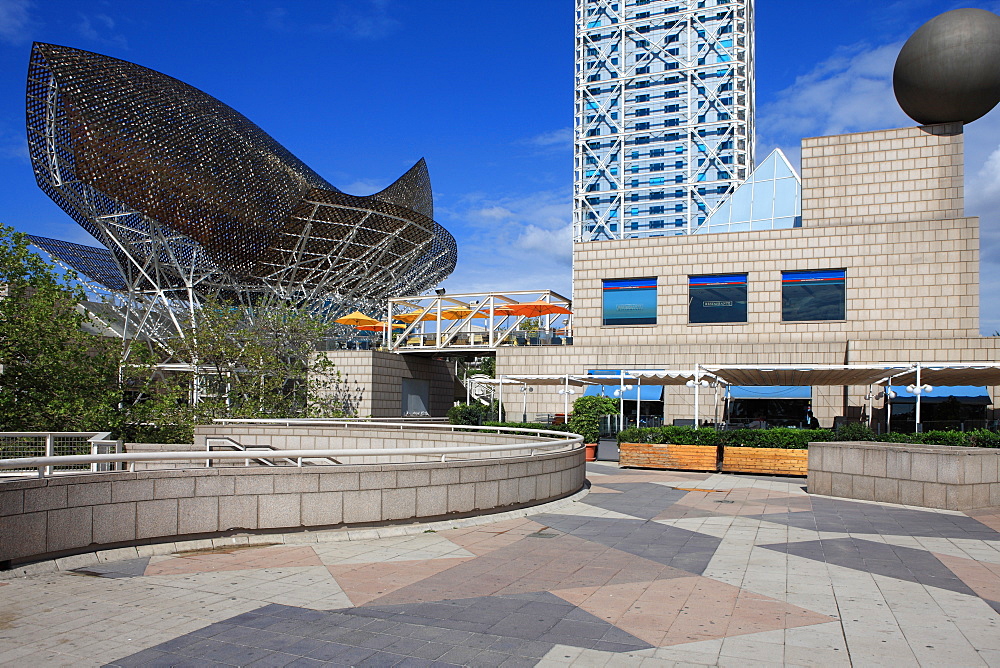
(51,517)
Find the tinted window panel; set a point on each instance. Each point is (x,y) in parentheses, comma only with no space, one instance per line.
(813,295)
(630,301)
(717,298)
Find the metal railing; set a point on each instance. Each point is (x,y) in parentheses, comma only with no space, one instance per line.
(57,444)
(105,462)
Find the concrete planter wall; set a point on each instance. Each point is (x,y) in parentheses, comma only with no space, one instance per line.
(51,517)
(933,476)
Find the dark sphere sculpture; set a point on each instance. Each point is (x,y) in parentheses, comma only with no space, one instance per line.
(949,69)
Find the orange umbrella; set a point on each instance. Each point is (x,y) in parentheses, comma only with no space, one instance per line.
(499,311)
(356,319)
(415,315)
(461,312)
(537,308)
(380,327)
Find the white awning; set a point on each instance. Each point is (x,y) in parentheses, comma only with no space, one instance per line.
(804,374)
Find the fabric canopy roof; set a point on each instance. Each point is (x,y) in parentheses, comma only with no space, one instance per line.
(953,374)
(844,374)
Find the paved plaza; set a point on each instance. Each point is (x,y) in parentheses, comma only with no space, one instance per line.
(648,568)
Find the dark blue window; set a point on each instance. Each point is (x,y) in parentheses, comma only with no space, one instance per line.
(630,301)
(717,298)
(813,295)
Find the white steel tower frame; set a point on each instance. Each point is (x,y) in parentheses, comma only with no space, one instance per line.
(664,117)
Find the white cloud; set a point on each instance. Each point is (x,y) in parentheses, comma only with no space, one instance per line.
(511,243)
(15,21)
(360,19)
(561,138)
(100,28)
(363,187)
(849,92)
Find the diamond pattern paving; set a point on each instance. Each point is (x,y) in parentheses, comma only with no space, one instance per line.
(651,568)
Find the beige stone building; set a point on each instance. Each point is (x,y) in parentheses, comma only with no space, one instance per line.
(883,222)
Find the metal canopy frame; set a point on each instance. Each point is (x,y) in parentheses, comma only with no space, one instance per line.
(921,375)
(431,331)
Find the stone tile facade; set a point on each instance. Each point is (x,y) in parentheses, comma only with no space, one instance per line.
(932,476)
(907,174)
(370,382)
(885,206)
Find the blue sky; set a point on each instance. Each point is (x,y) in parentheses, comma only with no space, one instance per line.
(361,89)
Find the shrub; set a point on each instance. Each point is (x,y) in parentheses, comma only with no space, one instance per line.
(956,438)
(782,437)
(854,431)
(631,435)
(473,414)
(984,438)
(690,435)
(779,437)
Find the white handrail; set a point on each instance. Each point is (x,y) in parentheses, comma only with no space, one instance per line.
(43,464)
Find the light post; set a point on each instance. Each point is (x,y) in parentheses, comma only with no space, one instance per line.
(566,392)
(917,391)
(889,396)
(697,384)
(525,389)
(620,393)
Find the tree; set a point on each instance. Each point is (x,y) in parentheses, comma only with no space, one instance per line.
(237,362)
(55,376)
(587,414)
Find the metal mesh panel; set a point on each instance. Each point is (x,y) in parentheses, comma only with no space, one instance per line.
(192,199)
(95,264)
(16,445)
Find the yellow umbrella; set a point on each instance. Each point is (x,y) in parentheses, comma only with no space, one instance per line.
(356,319)
(537,308)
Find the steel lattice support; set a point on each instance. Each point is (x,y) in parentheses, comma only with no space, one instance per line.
(664,125)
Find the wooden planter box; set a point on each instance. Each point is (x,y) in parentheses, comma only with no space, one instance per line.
(770,461)
(669,456)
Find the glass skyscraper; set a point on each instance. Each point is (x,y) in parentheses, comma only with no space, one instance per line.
(664,126)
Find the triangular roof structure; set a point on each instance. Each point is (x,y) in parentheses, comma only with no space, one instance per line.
(770,199)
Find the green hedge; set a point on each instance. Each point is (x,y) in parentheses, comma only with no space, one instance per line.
(800,438)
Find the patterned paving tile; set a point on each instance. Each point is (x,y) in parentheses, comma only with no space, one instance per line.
(982,577)
(129,568)
(533,565)
(990,518)
(902,563)
(472,631)
(641,500)
(668,545)
(236,560)
(688,609)
(649,567)
(598,489)
(832,515)
(364,583)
